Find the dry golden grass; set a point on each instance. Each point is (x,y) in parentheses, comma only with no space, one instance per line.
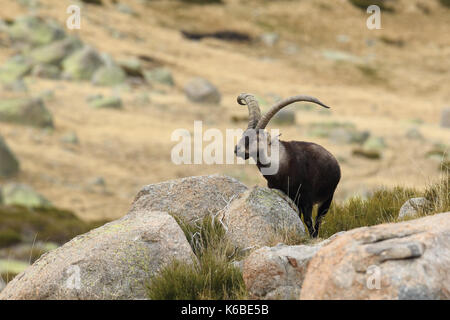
(131,148)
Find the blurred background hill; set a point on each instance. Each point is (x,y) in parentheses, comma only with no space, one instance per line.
(107,97)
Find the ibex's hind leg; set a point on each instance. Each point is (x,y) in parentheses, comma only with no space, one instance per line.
(321,212)
(307,217)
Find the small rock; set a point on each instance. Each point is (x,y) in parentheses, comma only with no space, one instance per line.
(374,144)
(445,118)
(414,134)
(284,117)
(9,165)
(46,71)
(270,39)
(70,138)
(98,181)
(25,111)
(55,52)
(202,91)
(23,195)
(159,75)
(34,31)
(340,56)
(132,67)
(414,207)
(109,76)
(82,64)
(124,8)
(15,69)
(106,102)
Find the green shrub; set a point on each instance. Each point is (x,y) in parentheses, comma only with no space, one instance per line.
(211,275)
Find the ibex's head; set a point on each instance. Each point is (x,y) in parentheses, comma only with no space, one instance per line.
(255,138)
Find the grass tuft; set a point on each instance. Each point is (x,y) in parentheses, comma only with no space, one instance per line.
(383,206)
(212,275)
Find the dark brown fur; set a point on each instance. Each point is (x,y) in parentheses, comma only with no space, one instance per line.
(309,175)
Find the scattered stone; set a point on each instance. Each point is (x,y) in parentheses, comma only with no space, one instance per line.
(259,216)
(106,103)
(26,111)
(124,8)
(343,38)
(16,86)
(270,39)
(23,195)
(114,261)
(98,181)
(55,52)
(109,76)
(82,64)
(191,198)
(159,75)
(340,56)
(345,135)
(9,165)
(14,69)
(445,118)
(70,138)
(200,90)
(413,207)
(291,49)
(132,67)
(414,134)
(405,261)
(46,71)
(277,272)
(284,117)
(34,31)
(374,144)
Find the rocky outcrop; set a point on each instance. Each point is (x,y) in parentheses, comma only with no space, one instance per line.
(114,261)
(190,198)
(407,260)
(259,217)
(277,272)
(9,165)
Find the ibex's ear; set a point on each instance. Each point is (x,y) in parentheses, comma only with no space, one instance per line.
(274,138)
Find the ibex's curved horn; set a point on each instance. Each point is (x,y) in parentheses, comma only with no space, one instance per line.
(254,114)
(283,103)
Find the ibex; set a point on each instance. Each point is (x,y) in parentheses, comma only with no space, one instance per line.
(307,173)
